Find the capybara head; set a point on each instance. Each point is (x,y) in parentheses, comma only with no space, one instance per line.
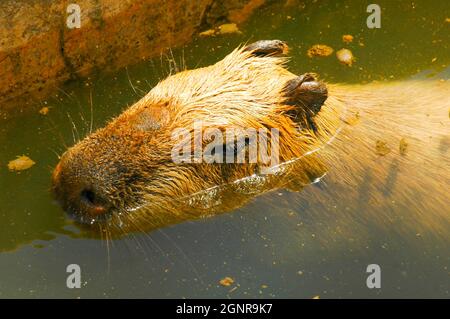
(114,170)
(125,174)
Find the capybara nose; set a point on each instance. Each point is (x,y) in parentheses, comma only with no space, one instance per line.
(84,204)
(79,194)
(93,204)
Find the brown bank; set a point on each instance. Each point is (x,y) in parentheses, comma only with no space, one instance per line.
(38,50)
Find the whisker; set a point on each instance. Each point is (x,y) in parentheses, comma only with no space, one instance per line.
(74,128)
(129,81)
(58,156)
(108,239)
(55,128)
(92,112)
(148,236)
(183,254)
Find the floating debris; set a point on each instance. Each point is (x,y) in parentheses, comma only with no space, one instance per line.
(381,148)
(347,38)
(226,282)
(403,147)
(44,110)
(227,28)
(208,33)
(21,163)
(345,56)
(319,50)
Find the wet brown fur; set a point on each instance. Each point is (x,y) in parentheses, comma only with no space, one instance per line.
(129,160)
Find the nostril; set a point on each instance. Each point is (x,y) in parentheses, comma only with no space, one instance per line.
(88,197)
(94,204)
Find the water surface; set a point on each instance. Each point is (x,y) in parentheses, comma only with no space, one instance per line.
(279,245)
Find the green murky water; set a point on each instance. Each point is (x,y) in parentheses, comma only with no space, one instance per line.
(273,247)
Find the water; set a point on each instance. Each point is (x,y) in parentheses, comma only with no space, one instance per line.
(279,245)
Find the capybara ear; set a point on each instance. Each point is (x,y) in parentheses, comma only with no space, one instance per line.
(268,48)
(306,93)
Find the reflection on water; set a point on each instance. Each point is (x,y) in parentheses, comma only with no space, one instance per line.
(294,244)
